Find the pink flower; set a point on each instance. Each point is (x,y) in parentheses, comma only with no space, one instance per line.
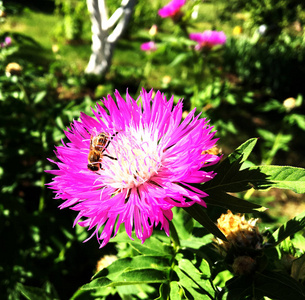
(208,38)
(142,162)
(7,40)
(149,46)
(171,9)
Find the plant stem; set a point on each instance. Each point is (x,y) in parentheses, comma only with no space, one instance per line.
(174,236)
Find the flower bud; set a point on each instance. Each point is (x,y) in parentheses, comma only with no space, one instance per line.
(239,232)
(289,103)
(244,265)
(153,30)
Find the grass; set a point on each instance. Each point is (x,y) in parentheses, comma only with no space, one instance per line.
(37,25)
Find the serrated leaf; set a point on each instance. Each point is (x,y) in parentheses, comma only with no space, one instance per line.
(198,213)
(243,151)
(193,272)
(191,287)
(289,228)
(229,178)
(283,177)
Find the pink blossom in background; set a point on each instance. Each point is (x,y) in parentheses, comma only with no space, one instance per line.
(149,46)
(7,40)
(171,9)
(209,38)
(151,158)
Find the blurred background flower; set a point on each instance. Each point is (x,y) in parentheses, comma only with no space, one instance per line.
(172,9)
(208,39)
(149,46)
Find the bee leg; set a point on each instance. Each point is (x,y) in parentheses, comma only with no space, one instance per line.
(113,158)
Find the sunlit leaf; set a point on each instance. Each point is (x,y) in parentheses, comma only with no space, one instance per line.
(284,177)
(197,289)
(129,277)
(291,227)
(136,262)
(151,246)
(174,291)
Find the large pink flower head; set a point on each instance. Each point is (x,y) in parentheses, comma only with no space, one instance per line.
(132,164)
(209,38)
(171,9)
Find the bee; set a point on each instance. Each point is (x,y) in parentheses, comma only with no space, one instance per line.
(98,144)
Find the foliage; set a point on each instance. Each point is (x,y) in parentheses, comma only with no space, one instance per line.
(74,16)
(276,15)
(275,67)
(186,268)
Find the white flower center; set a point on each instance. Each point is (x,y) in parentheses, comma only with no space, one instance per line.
(136,157)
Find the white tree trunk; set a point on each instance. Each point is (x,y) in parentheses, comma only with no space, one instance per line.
(103,40)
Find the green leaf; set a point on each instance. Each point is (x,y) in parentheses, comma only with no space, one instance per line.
(39,96)
(136,262)
(174,291)
(34,293)
(230,178)
(128,277)
(186,266)
(100,294)
(278,286)
(196,242)
(231,165)
(283,177)
(291,227)
(198,213)
(151,246)
(243,151)
(190,286)
(131,271)
(180,58)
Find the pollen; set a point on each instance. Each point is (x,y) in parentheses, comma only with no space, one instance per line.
(138,158)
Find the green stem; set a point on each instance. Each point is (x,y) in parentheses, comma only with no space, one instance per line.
(174,236)
(42,195)
(274,149)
